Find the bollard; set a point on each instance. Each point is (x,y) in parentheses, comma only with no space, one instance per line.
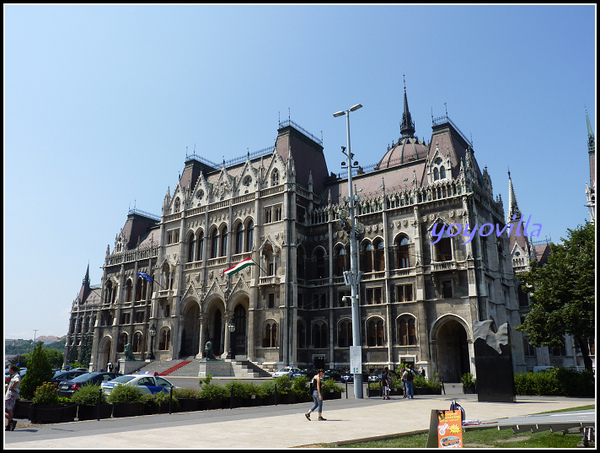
(346,389)
(98,405)
(231,397)
(170,399)
(276,395)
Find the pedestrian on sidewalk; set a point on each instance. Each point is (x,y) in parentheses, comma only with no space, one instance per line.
(317,395)
(386,381)
(11,397)
(409,376)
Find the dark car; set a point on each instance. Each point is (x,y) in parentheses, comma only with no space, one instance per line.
(65,375)
(68,387)
(336,375)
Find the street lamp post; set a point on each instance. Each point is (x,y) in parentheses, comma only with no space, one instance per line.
(353,276)
(152,332)
(231,328)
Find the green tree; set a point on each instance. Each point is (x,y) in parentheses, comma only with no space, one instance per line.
(563,293)
(39,371)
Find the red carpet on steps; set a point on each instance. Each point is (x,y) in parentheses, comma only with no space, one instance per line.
(173,368)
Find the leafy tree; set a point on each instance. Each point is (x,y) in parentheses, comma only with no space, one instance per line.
(563,293)
(39,371)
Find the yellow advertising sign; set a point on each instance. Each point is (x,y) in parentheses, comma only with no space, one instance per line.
(449,429)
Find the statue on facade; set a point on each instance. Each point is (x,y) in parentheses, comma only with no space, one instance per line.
(128,354)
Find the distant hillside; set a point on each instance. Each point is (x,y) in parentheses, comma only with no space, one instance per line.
(14,347)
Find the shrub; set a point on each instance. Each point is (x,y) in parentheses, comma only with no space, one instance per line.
(300,385)
(467,380)
(238,390)
(267,388)
(45,394)
(329,384)
(205,380)
(258,390)
(213,392)
(284,384)
(556,381)
(39,371)
(125,394)
(161,399)
(186,392)
(88,395)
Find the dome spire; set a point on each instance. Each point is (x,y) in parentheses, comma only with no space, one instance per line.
(407,128)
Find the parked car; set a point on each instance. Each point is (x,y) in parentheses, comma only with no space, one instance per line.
(375,377)
(347,376)
(67,387)
(298,373)
(336,375)
(65,375)
(285,371)
(147,383)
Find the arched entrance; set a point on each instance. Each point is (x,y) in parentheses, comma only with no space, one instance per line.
(103,353)
(452,350)
(215,327)
(239,339)
(190,330)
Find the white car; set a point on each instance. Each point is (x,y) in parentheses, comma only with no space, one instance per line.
(286,371)
(147,383)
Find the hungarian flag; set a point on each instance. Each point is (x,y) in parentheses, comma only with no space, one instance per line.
(239,266)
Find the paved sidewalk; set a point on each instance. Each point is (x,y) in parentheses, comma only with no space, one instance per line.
(271,427)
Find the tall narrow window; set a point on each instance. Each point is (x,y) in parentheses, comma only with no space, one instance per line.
(403,257)
(379,256)
(214,244)
(224,241)
(366,257)
(345,333)
(249,236)
(341,261)
(200,246)
(239,238)
(191,248)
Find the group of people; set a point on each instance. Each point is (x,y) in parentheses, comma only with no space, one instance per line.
(407,377)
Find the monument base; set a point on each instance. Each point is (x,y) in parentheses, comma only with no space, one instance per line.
(130,366)
(215,368)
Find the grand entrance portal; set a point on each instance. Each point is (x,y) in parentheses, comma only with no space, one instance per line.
(452,351)
(239,338)
(191,331)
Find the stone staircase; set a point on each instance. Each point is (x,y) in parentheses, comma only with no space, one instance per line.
(189,367)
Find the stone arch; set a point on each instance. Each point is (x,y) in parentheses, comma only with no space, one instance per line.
(104,347)
(190,328)
(450,337)
(215,324)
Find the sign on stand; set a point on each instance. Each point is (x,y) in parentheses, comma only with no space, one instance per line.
(355,359)
(445,429)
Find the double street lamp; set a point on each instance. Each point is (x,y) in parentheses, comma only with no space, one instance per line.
(352,277)
(152,332)
(231,328)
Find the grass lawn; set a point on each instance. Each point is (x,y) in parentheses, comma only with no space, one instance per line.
(485,438)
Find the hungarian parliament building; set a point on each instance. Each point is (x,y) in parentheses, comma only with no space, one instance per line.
(164,292)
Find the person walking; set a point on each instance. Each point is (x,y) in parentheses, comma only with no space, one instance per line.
(409,376)
(11,397)
(386,381)
(317,395)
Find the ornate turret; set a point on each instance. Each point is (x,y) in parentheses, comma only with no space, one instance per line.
(590,190)
(513,207)
(407,128)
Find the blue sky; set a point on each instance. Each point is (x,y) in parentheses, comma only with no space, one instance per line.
(102,102)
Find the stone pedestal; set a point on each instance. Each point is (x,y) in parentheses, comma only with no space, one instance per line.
(129,366)
(215,368)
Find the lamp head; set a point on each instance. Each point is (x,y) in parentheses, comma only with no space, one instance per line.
(340,113)
(355,107)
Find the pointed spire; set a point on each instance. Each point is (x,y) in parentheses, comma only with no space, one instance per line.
(407,128)
(591,139)
(86,279)
(513,207)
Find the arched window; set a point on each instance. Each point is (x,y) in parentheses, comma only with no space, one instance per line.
(320,263)
(443,248)
(191,256)
(340,261)
(345,333)
(249,236)
(164,339)
(301,329)
(436,174)
(375,332)
(407,333)
(224,241)
(200,246)
(319,334)
(442,172)
(128,290)
(402,257)
(275,177)
(109,291)
(239,238)
(123,340)
(214,244)
(379,256)
(138,342)
(300,263)
(269,259)
(270,335)
(366,256)
(177,204)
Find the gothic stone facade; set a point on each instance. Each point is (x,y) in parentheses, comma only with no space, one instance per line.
(418,300)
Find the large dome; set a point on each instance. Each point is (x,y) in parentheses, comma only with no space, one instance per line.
(406,150)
